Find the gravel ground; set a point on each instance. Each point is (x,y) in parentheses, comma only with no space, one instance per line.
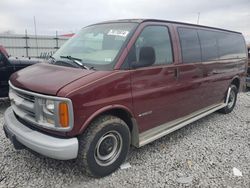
(202,154)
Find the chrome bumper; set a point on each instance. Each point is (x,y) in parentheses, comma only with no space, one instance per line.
(57,148)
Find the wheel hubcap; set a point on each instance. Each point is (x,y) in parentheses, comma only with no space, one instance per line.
(108,148)
(231,99)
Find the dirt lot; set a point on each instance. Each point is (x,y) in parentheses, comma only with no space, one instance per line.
(202,154)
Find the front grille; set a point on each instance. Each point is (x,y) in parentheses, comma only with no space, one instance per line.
(23,104)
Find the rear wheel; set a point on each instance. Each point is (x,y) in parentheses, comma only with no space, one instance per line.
(231,100)
(104,146)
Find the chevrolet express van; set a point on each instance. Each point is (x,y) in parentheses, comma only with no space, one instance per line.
(122,83)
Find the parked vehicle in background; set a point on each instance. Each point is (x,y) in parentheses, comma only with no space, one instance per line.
(3,51)
(122,83)
(248,69)
(9,65)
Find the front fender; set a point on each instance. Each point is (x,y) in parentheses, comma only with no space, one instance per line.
(101,111)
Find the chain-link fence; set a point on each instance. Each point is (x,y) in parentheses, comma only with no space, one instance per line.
(30,45)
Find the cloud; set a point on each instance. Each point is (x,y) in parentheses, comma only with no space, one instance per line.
(70,15)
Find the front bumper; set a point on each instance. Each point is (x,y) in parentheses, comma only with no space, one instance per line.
(53,147)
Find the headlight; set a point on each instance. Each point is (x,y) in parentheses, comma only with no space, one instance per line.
(50,106)
(57,114)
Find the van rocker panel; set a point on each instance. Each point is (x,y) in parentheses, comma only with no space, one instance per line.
(167,128)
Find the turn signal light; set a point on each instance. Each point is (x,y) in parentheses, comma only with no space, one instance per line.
(64,114)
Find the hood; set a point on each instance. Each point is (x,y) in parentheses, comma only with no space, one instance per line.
(45,78)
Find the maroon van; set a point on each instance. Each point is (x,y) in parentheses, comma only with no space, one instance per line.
(122,83)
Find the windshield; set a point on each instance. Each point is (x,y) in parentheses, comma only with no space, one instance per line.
(97,45)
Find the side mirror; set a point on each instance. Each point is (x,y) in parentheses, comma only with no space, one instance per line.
(146,57)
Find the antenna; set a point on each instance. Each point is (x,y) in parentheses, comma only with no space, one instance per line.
(36,36)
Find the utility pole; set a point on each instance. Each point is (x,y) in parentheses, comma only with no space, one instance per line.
(36,36)
(198,19)
(26,43)
(57,45)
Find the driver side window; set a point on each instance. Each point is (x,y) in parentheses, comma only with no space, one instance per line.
(158,38)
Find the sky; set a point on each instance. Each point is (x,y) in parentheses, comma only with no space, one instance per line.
(68,16)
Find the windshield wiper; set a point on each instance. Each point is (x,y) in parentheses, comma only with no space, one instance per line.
(52,59)
(78,62)
(74,59)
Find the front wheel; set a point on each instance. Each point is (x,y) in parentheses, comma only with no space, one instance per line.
(231,100)
(104,146)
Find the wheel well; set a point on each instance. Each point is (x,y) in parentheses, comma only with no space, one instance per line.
(236,82)
(122,114)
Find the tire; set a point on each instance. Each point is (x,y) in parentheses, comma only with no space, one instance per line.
(231,102)
(103,147)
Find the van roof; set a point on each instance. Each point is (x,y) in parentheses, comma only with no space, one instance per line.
(166,21)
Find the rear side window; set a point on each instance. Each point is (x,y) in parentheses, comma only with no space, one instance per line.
(190,45)
(198,45)
(231,45)
(209,48)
